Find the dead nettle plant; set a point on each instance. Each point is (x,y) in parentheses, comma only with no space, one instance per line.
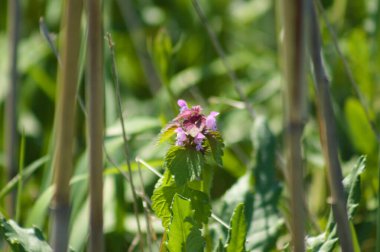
(182,196)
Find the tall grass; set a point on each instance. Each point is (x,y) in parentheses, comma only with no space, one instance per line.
(64,122)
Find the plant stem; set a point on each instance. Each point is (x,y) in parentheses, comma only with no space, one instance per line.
(328,137)
(64,122)
(95,122)
(295,109)
(19,184)
(149,228)
(10,126)
(348,71)
(126,147)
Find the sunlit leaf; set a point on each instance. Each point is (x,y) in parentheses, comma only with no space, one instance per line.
(216,145)
(166,133)
(361,134)
(184,234)
(328,240)
(161,201)
(21,239)
(184,163)
(238,232)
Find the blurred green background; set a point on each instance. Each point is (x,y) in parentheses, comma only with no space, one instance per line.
(163,53)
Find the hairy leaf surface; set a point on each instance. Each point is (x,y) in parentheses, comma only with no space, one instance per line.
(184,163)
(238,232)
(216,145)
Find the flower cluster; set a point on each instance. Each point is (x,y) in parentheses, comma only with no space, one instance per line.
(192,125)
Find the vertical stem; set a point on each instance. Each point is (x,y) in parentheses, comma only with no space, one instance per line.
(10,127)
(20,174)
(95,123)
(148,223)
(125,140)
(64,122)
(295,109)
(328,137)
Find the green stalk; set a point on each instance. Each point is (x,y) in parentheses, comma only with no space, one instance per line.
(328,137)
(294,21)
(64,122)
(95,122)
(10,127)
(19,184)
(125,141)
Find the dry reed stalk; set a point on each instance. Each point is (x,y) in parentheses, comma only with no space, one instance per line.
(10,126)
(294,20)
(95,122)
(64,122)
(328,137)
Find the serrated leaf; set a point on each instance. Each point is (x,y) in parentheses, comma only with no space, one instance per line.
(216,145)
(184,163)
(352,187)
(22,239)
(238,232)
(161,201)
(183,235)
(166,133)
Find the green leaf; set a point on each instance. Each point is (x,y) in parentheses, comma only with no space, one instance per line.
(260,192)
(184,163)
(220,247)
(133,125)
(184,234)
(238,231)
(162,199)
(200,202)
(352,186)
(216,145)
(361,134)
(351,183)
(166,133)
(21,239)
(163,195)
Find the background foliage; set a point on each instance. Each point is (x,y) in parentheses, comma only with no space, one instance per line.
(187,66)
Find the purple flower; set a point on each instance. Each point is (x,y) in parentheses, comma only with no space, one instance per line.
(198,140)
(183,105)
(211,121)
(181,137)
(192,126)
